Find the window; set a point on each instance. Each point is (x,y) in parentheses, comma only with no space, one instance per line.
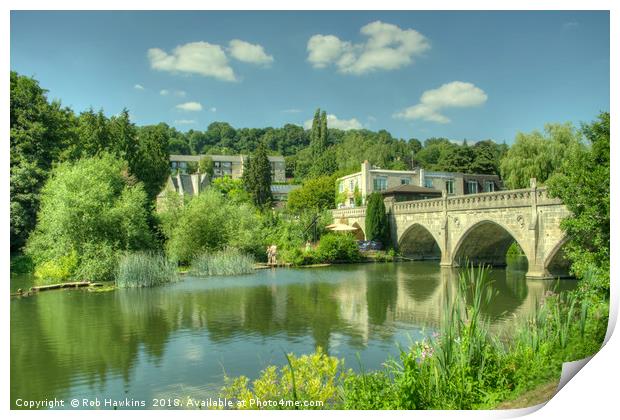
(222,168)
(472,187)
(428,182)
(489,186)
(450,186)
(341,187)
(380,183)
(405,181)
(351,185)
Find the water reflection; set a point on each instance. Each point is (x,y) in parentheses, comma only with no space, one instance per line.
(144,343)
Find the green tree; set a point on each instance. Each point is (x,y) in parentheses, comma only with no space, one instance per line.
(377,225)
(583,184)
(314,195)
(39,131)
(205,166)
(90,208)
(257,177)
(151,162)
(537,155)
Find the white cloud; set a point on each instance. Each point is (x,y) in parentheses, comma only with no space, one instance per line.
(185,122)
(335,122)
(164,92)
(213,109)
(189,106)
(388,47)
(138,86)
(249,53)
(450,95)
(195,58)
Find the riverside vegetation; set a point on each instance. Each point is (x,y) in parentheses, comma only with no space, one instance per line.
(462,365)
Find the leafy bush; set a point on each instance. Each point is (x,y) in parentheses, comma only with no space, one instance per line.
(58,270)
(223,263)
(207,223)
(145,269)
(90,207)
(21,264)
(337,247)
(313,377)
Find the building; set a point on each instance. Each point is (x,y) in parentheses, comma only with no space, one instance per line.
(369,180)
(227,165)
(193,184)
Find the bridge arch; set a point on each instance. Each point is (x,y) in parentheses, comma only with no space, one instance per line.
(418,243)
(556,263)
(359,234)
(486,242)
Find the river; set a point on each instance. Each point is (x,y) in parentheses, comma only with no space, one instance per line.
(179,340)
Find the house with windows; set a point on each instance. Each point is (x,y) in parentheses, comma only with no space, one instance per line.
(429,183)
(226,165)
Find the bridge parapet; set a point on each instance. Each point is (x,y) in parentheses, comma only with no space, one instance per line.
(419,206)
(348,213)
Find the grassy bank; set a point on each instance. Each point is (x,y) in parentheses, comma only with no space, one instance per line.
(462,366)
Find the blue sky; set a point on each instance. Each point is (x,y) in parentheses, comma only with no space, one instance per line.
(473,75)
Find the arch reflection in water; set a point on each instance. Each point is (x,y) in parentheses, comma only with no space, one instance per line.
(153,342)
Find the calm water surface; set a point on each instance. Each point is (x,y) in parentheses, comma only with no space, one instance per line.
(178,340)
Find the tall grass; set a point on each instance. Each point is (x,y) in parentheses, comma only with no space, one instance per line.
(145,269)
(223,263)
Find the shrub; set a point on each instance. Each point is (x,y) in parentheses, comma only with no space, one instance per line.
(337,247)
(223,263)
(90,207)
(58,270)
(145,269)
(313,377)
(21,264)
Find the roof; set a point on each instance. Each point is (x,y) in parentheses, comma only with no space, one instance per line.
(219,158)
(411,189)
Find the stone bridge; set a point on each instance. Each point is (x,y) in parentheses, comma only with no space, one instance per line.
(478,228)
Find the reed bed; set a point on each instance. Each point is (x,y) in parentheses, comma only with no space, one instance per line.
(228,262)
(145,269)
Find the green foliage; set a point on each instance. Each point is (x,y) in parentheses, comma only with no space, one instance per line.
(337,247)
(205,166)
(313,377)
(537,155)
(209,222)
(87,207)
(583,184)
(232,189)
(257,177)
(227,262)
(39,130)
(314,195)
(145,269)
(58,270)
(21,264)
(150,163)
(377,225)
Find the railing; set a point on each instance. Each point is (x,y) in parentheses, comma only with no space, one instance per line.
(497,199)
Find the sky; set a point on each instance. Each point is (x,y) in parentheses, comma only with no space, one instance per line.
(417,74)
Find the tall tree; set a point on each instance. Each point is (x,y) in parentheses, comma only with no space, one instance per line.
(39,131)
(583,184)
(377,225)
(257,177)
(151,162)
(537,155)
